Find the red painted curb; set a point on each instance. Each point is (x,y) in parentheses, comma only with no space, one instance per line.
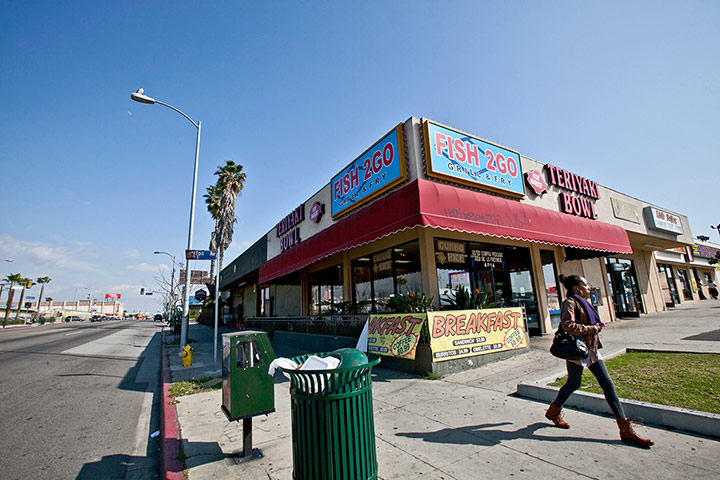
(172,467)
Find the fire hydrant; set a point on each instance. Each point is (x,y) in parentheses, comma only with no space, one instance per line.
(187,355)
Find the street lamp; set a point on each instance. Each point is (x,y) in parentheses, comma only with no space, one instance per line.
(75,294)
(172,282)
(716,227)
(140,97)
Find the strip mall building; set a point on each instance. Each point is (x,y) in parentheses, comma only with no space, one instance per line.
(430,208)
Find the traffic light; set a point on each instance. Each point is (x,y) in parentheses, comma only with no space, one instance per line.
(142,291)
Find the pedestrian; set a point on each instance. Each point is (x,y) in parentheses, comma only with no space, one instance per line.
(580,318)
(712,289)
(700,290)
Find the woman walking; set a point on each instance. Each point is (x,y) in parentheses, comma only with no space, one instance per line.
(580,318)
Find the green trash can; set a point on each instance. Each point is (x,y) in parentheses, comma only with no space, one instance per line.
(333,431)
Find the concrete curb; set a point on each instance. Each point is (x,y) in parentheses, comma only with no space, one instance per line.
(171,438)
(684,419)
(15,326)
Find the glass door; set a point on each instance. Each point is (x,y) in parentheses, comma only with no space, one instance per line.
(624,286)
(685,284)
(667,282)
(552,290)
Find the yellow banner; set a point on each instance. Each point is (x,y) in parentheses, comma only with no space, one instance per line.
(395,335)
(466,333)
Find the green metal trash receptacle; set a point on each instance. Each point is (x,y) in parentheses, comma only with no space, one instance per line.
(333,430)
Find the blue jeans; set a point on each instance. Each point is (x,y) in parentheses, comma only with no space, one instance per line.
(574,381)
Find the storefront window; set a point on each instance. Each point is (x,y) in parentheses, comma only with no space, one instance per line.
(266,302)
(325,291)
(502,273)
(378,277)
(551,286)
(684,284)
(667,284)
(624,286)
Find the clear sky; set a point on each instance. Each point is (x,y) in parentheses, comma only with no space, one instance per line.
(626,93)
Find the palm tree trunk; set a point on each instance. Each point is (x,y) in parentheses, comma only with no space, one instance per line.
(22,297)
(37,310)
(9,304)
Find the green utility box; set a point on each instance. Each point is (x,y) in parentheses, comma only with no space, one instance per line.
(247,389)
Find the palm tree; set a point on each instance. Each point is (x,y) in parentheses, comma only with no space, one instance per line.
(231,180)
(42,281)
(13,278)
(26,283)
(212,200)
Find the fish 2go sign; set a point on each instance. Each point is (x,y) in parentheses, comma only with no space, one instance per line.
(459,157)
(378,169)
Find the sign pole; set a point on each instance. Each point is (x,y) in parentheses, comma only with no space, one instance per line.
(217,296)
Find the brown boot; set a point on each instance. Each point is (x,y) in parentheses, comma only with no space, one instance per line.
(554,414)
(628,435)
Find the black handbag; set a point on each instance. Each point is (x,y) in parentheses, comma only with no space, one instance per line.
(568,347)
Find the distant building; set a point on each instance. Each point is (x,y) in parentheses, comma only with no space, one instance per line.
(683,271)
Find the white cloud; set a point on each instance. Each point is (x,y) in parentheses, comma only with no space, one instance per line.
(146,267)
(132,254)
(41,256)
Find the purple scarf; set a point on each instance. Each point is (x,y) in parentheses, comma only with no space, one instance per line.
(590,311)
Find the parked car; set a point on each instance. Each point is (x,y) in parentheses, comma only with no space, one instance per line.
(96,318)
(73,318)
(158,317)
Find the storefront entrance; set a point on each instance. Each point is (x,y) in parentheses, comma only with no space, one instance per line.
(685,284)
(667,283)
(624,287)
(502,274)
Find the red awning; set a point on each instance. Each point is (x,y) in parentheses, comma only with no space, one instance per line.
(395,212)
(435,205)
(464,210)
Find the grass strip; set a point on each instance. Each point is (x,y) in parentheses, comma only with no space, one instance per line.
(194,385)
(685,380)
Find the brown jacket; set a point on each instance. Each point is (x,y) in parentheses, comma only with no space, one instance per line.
(575,321)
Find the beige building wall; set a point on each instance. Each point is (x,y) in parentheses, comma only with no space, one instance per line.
(249,294)
(287,300)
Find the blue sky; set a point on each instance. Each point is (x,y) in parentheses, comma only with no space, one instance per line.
(624,93)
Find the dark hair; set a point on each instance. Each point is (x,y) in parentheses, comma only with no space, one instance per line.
(570,282)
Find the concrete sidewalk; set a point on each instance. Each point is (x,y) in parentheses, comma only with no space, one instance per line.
(469,424)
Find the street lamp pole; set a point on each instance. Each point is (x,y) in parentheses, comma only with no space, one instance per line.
(75,297)
(139,96)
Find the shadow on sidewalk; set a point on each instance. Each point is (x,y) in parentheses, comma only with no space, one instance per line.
(487,435)
(201,453)
(118,466)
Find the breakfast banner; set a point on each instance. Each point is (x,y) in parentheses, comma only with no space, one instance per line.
(466,333)
(395,335)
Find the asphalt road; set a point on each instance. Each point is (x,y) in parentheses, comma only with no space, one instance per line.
(80,400)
